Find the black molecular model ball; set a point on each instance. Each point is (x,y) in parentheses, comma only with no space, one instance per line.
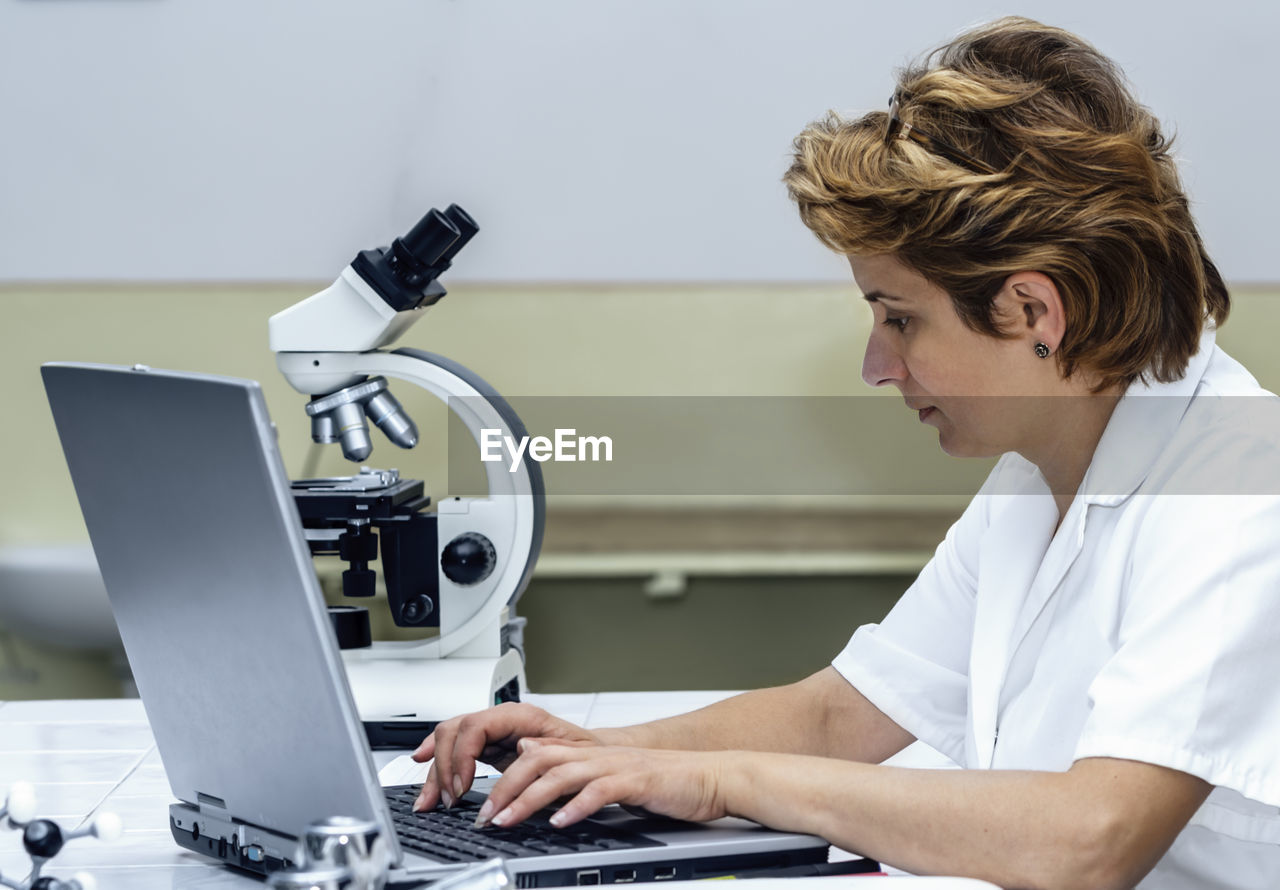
(42,838)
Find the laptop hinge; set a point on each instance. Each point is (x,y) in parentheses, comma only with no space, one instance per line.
(208,800)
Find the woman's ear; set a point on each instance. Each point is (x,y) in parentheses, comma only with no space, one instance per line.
(1031,307)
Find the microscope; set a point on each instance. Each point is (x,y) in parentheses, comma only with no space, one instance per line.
(458,569)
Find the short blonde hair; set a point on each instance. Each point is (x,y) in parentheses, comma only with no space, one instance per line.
(1085,191)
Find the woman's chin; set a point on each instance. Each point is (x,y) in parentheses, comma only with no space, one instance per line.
(954,445)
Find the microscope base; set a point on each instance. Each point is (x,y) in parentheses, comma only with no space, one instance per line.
(400,700)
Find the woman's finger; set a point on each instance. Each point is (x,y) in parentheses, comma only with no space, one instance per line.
(429,796)
(498,756)
(446,734)
(597,793)
(472,740)
(460,742)
(426,749)
(562,779)
(515,778)
(565,743)
(534,761)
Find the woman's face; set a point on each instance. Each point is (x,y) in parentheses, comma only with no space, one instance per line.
(983,394)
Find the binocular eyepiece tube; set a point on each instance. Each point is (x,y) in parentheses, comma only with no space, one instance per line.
(430,246)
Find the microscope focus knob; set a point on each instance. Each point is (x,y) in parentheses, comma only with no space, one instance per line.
(359,582)
(351,626)
(468,559)
(417,609)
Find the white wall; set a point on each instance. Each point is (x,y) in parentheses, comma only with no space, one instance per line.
(592,140)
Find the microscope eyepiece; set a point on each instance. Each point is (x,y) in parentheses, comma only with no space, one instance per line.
(405,274)
(466,227)
(418,257)
(431,237)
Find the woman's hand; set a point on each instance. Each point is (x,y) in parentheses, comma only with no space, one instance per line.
(490,736)
(680,784)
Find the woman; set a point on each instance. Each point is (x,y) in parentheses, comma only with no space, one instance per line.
(1102,659)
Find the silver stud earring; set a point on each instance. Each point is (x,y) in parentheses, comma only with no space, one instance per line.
(1042,350)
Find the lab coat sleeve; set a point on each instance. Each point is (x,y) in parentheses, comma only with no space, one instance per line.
(1192,684)
(914,665)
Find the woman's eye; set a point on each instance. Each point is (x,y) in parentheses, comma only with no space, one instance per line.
(897,321)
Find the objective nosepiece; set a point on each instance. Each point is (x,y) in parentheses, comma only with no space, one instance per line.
(340,417)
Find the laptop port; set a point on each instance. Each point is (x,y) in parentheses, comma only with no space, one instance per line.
(664,874)
(588,877)
(624,876)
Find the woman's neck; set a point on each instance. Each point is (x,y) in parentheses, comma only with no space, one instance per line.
(1073,427)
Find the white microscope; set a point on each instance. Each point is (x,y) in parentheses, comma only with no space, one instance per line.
(459,569)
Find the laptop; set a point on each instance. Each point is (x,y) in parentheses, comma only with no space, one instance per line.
(212,585)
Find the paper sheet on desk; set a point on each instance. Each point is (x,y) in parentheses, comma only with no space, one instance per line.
(405,771)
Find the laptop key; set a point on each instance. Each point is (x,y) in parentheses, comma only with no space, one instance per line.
(611,843)
(434,853)
(560,848)
(451,834)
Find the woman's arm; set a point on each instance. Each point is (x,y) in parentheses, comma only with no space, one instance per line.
(1102,824)
(822,715)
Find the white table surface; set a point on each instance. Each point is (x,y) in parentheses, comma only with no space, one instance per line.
(99,755)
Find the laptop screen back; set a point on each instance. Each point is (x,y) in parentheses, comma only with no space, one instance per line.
(211,582)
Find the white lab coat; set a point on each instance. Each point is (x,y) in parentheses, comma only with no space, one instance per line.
(1146,628)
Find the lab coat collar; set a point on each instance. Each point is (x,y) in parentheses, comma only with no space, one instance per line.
(1033,560)
(1140,427)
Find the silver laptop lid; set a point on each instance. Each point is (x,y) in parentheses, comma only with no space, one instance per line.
(188,507)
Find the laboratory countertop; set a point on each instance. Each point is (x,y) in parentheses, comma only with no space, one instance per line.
(96,755)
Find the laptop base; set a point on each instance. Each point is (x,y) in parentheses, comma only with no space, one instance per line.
(234,843)
(673,869)
(260,852)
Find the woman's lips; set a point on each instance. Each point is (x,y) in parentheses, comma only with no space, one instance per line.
(926,413)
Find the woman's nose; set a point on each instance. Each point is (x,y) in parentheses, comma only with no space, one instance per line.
(882,364)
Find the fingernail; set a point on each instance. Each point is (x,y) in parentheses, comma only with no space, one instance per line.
(501,819)
(457,786)
(558,818)
(448,798)
(482,817)
(421,803)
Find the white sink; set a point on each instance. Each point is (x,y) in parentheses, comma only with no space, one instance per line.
(54,594)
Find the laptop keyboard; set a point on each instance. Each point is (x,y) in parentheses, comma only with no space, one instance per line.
(451,835)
